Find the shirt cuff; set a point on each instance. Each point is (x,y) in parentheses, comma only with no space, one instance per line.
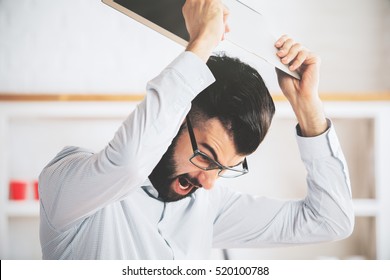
(323,145)
(193,71)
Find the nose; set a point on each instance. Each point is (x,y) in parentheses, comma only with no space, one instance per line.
(207,178)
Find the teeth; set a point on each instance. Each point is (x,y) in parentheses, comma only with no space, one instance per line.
(183,183)
(184,187)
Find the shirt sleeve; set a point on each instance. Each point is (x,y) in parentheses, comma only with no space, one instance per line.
(76,183)
(325,214)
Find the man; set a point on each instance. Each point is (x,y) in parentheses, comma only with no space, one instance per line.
(150,193)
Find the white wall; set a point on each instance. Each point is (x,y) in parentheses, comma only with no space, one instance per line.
(83,46)
(76,46)
(351,36)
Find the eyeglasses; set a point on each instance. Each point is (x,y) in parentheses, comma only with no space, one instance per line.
(204,162)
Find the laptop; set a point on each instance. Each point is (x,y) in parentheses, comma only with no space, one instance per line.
(248,28)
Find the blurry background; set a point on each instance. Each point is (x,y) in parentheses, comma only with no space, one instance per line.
(85,50)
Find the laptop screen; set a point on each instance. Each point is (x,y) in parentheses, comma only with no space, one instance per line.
(165,13)
(249,32)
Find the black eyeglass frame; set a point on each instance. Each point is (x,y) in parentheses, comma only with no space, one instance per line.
(219,166)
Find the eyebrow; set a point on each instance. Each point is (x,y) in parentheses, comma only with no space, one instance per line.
(211,150)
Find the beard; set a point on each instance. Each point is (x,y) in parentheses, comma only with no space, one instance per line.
(164,174)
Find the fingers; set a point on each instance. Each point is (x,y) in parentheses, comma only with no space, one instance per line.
(293,54)
(226,13)
(206,24)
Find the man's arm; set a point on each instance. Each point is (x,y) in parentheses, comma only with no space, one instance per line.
(302,94)
(304,98)
(327,211)
(206,22)
(325,214)
(77,182)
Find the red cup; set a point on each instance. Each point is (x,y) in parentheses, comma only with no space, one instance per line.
(17,190)
(36,193)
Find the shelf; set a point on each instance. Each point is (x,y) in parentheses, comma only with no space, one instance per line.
(365,207)
(362,207)
(22,209)
(139,96)
(363,126)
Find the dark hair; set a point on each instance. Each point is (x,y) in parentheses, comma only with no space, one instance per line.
(240,99)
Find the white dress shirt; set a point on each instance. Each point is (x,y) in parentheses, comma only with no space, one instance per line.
(102,206)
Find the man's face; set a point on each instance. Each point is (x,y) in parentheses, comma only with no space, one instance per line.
(175,177)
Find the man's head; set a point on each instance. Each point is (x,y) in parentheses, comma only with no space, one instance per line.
(229,120)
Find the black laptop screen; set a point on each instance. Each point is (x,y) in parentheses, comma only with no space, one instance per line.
(165,13)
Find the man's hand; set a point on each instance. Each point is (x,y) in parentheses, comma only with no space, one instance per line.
(206,24)
(302,94)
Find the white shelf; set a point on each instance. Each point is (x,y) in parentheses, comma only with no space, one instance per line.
(366,207)
(23,208)
(362,207)
(37,118)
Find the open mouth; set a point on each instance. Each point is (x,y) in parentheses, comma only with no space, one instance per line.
(183,185)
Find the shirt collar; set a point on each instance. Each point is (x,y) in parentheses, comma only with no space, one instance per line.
(147,186)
